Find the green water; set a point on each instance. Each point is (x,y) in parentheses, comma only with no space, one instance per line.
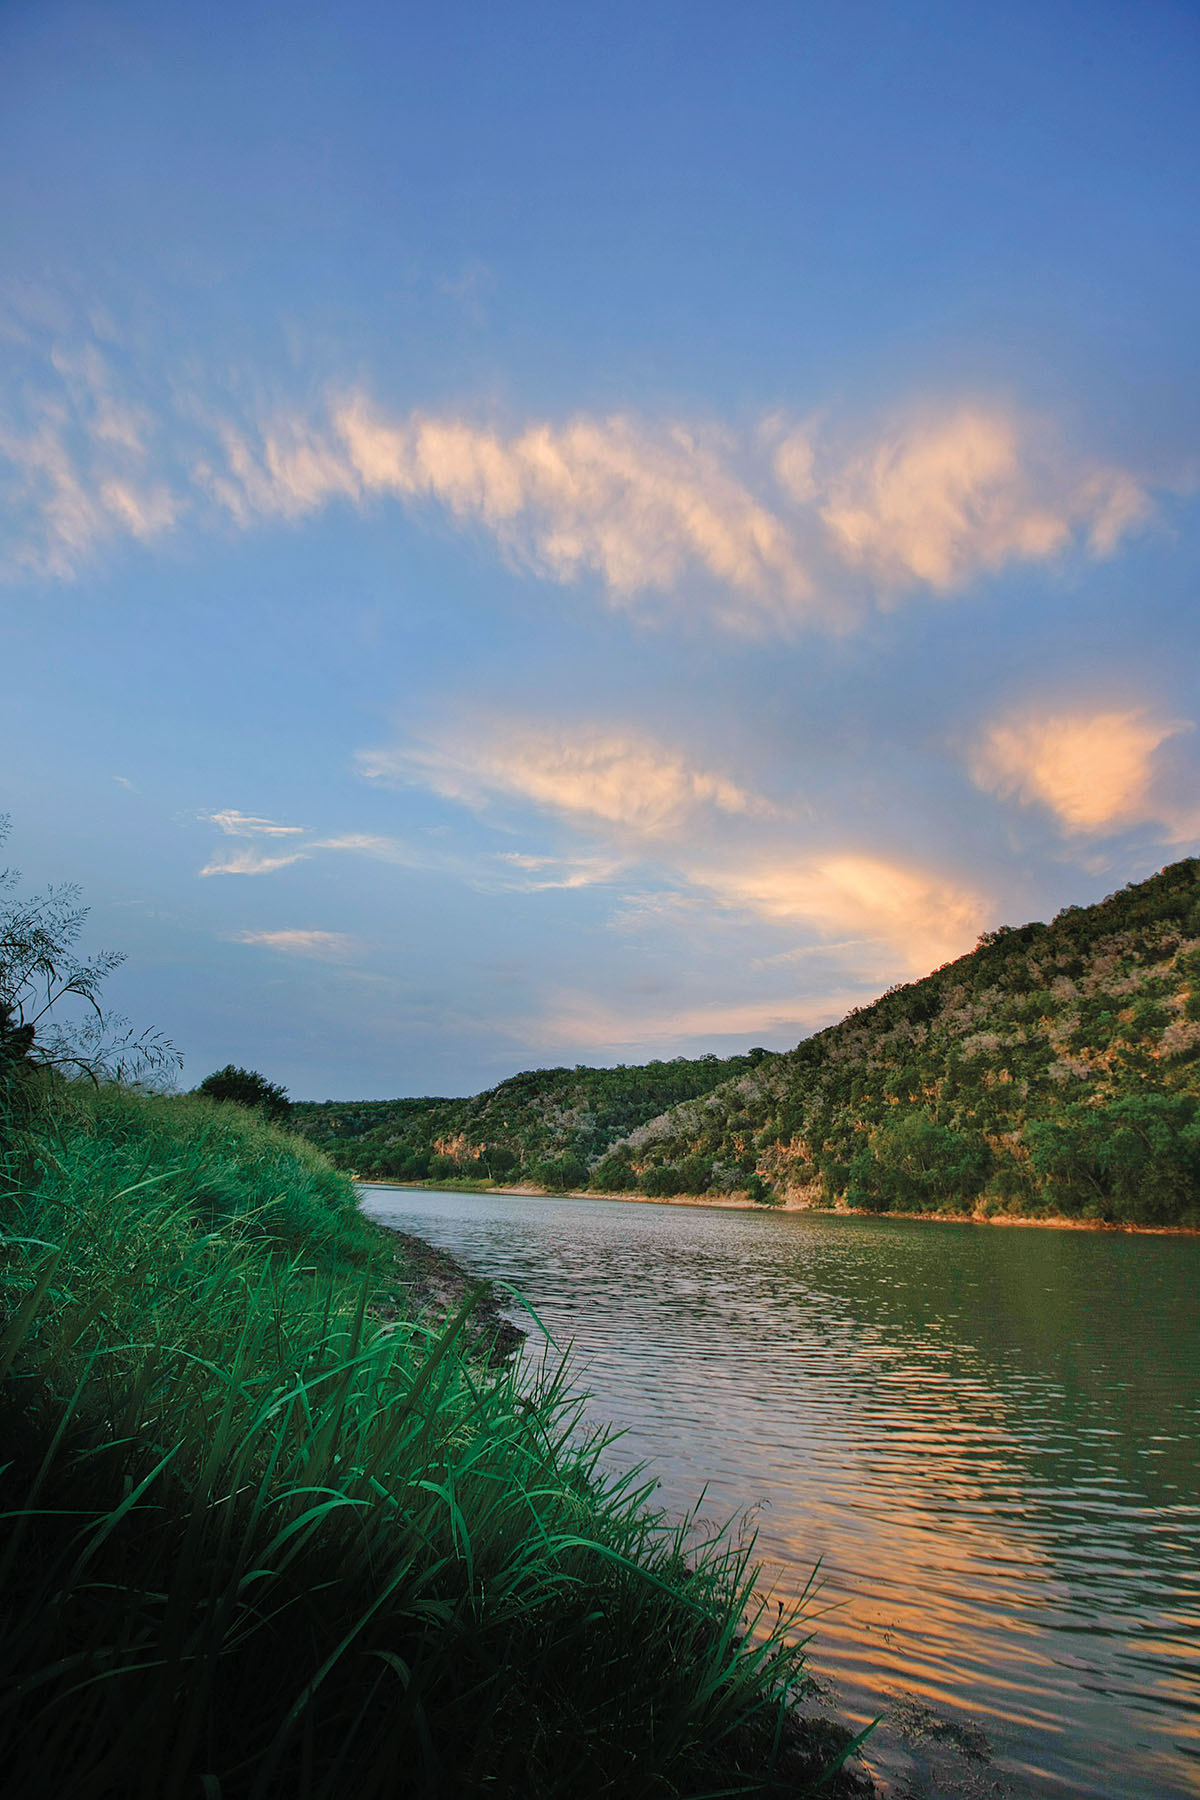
(989,1438)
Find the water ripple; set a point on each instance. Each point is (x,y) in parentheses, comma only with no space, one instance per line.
(987,1438)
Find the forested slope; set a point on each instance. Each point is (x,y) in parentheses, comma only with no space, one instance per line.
(1054,1070)
(551,1125)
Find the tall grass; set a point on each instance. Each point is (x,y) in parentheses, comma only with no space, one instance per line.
(255,1543)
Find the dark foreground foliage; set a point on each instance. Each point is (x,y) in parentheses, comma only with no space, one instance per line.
(263,1535)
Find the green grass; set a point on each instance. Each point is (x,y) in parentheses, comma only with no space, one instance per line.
(256,1543)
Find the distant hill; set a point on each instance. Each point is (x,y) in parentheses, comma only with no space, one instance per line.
(1053,1071)
(551,1126)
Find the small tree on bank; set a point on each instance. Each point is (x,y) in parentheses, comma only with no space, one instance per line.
(50,1015)
(246,1087)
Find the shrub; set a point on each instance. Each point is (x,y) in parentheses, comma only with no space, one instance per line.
(560,1173)
(246,1087)
(613,1174)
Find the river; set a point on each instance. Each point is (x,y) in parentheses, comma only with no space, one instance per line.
(988,1438)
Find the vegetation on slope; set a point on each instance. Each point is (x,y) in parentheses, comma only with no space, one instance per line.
(260,1534)
(552,1126)
(1054,1071)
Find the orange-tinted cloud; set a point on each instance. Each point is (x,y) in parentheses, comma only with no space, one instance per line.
(616,778)
(323,946)
(634,503)
(770,527)
(1094,770)
(918,915)
(945,499)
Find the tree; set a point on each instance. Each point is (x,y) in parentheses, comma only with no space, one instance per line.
(246,1087)
(1136,1158)
(50,1016)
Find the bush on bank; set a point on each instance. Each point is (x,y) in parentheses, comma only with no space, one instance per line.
(256,1543)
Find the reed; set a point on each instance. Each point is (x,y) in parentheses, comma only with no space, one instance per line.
(255,1542)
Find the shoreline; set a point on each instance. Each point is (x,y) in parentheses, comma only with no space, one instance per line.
(439,1284)
(731,1203)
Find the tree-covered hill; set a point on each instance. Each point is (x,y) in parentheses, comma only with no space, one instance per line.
(552,1126)
(1055,1070)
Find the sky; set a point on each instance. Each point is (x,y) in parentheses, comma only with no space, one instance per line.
(540,534)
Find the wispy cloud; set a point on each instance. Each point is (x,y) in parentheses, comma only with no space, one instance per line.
(716,843)
(304,843)
(374,844)
(939,500)
(237,824)
(773,527)
(77,467)
(942,500)
(539,874)
(635,503)
(250,862)
(323,946)
(1095,770)
(620,778)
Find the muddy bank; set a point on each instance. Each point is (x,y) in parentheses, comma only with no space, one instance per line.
(431,1285)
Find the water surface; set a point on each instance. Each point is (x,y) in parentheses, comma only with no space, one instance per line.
(988,1437)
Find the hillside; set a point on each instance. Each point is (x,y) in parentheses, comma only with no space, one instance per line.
(550,1125)
(1055,1070)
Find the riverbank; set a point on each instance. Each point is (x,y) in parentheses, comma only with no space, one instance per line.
(254,1455)
(432,1285)
(743,1203)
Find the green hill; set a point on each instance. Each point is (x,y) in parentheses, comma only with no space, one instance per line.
(550,1125)
(1053,1071)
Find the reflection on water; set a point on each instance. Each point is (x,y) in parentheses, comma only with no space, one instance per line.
(987,1437)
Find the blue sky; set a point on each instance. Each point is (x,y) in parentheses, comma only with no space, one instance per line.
(544,534)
